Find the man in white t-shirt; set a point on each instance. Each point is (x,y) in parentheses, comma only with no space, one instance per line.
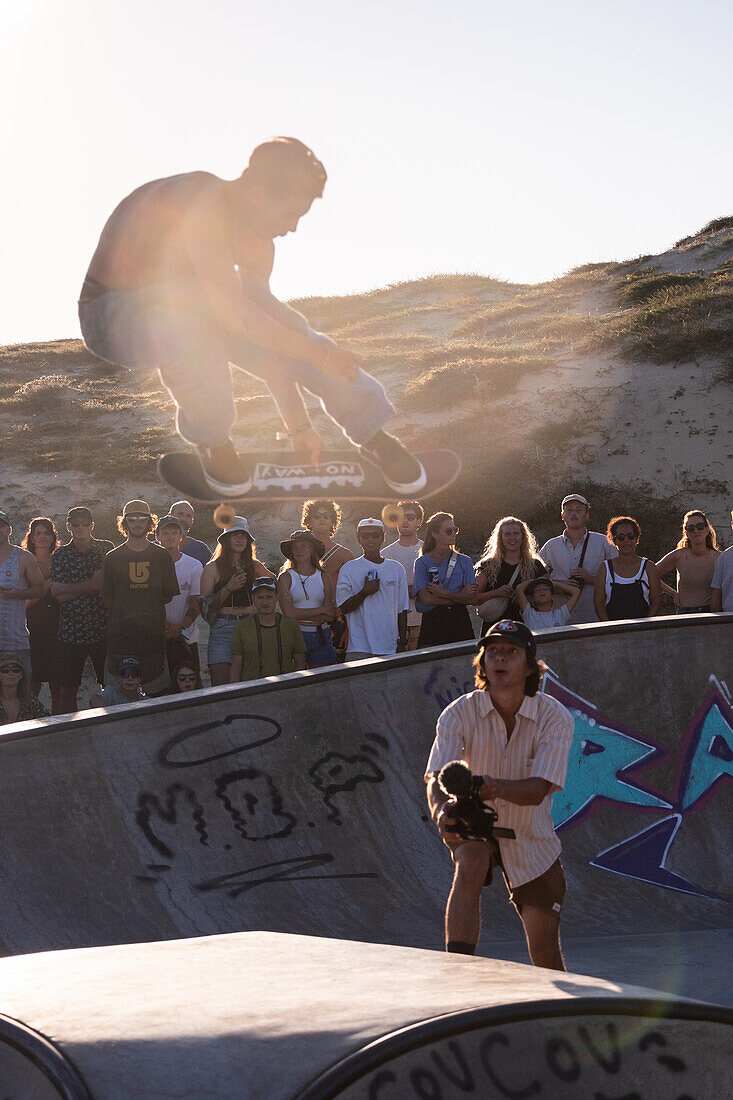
(576,554)
(182,612)
(372,594)
(406,551)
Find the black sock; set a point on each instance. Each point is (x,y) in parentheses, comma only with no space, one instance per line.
(460,947)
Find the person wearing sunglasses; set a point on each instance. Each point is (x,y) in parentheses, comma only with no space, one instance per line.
(125,688)
(445,585)
(138,580)
(693,559)
(17,704)
(627,587)
(184,678)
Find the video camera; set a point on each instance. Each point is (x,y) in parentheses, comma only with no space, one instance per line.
(473,819)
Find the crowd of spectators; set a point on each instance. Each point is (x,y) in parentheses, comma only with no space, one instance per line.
(135,610)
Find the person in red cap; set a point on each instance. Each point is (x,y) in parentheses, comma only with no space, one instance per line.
(518,742)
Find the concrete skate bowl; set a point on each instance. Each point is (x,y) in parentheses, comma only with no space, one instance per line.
(297,804)
(268,1016)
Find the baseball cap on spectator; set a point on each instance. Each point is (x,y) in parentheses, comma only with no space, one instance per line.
(9,658)
(266,584)
(240,524)
(516,633)
(574,496)
(127,662)
(370,521)
(79,514)
(286,547)
(5,518)
(168,521)
(136,507)
(537,583)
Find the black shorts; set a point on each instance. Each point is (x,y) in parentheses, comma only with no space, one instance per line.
(73,657)
(544,892)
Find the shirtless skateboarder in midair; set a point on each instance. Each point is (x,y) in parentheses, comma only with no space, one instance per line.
(180,281)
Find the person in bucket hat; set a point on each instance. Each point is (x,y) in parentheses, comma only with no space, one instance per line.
(516,742)
(308,594)
(226,593)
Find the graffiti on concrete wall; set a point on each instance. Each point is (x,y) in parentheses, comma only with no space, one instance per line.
(228,801)
(603,755)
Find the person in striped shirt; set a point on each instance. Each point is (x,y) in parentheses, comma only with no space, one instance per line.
(518,741)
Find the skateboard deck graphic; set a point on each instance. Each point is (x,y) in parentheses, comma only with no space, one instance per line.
(288,475)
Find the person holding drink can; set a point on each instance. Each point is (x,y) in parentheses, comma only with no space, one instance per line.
(372,594)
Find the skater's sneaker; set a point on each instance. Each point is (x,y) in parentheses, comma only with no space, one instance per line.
(224,471)
(401,470)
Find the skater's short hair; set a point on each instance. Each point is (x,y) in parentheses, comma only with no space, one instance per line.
(321,505)
(286,166)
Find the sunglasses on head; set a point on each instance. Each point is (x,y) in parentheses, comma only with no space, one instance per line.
(188,676)
(622,538)
(11,668)
(322,515)
(136,517)
(131,674)
(695,526)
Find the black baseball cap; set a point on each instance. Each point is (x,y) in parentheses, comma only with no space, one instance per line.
(79,512)
(127,662)
(516,633)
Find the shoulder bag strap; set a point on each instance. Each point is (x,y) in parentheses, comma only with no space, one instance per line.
(585,547)
(451,566)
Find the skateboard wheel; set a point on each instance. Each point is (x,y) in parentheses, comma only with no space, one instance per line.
(224,516)
(392,515)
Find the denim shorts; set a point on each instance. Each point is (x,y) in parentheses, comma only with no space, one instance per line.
(220,641)
(319,653)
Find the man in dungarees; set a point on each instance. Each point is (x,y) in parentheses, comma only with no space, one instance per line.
(180,281)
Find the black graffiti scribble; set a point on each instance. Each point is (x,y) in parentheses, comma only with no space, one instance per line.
(335,772)
(270,731)
(254,804)
(669,1061)
(238,882)
(166,809)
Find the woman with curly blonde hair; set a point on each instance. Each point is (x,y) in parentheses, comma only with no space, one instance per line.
(510,556)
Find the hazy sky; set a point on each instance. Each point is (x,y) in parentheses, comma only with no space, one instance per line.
(515,140)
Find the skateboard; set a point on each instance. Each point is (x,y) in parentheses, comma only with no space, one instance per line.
(287,475)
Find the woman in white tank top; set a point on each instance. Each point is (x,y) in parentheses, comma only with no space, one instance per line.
(307,594)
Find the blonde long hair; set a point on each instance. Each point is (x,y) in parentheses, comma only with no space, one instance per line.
(491,559)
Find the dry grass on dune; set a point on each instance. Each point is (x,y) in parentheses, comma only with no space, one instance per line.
(535,386)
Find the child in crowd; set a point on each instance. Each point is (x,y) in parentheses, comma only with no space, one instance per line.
(126,687)
(536,599)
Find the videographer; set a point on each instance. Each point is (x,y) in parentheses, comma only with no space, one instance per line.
(518,742)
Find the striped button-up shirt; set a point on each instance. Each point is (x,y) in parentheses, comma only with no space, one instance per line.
(471,729)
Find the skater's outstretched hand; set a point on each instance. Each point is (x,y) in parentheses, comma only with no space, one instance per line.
(311,443)
(335,361)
